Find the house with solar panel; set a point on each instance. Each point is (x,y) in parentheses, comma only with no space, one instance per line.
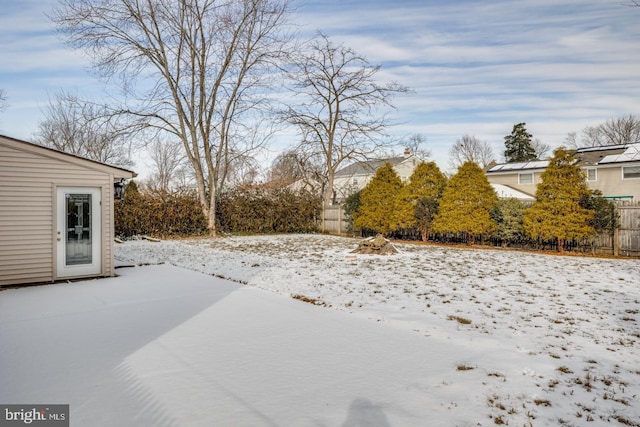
(613,169)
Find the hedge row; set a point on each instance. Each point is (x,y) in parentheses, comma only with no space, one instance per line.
(163,214)
(159,214)
(268,211)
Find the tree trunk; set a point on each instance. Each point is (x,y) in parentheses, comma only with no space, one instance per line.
(329,196)
(211,218)
(425,235)
(560,245)
(470,239)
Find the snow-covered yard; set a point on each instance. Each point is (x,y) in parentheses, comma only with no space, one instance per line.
(433,336)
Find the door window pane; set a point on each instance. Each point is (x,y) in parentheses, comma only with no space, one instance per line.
(78,236)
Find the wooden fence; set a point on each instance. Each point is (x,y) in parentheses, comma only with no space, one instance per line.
(334,220)
(625,241)
(628,236)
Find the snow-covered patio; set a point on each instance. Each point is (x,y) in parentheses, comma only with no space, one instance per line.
(433,336)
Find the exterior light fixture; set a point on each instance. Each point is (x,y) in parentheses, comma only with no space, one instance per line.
(118,190)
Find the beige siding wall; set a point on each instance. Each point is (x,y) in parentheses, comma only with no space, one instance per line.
(27,212)
(609,181)
(511,180)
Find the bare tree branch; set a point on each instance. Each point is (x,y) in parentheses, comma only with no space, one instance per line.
(616,131)
(195,69)
(541,149)
(338,115)
(87,130)
(415,144)
(168,163)
(3,99)
(470,148)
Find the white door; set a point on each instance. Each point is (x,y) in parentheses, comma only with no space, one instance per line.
(78,232)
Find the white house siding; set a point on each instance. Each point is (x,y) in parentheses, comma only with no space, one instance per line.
(406,168)
(346,185)
(29,176)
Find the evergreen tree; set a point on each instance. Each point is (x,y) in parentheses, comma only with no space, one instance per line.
(518,145)
(378,200)
(508,215)
(558,211)
(466,204)
(605,216)
(418,201)
(351,207)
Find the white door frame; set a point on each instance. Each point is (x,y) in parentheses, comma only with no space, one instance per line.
(83,237)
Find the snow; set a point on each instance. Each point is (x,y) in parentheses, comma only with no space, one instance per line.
(438,336)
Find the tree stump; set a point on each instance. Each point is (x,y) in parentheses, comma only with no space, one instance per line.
(375,245)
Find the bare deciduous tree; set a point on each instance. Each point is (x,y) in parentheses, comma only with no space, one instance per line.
(292,167)
(541,149)
(85,129)
(338,116)
(3,99)
(469,148)
(616,131)
(168,163)
(415,144)
(243,172)
(571,140)
(286,168)
(197,68)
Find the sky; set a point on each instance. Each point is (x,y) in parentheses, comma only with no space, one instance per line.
(473,67)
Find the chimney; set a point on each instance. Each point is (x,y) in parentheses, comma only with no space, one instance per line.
(407,153)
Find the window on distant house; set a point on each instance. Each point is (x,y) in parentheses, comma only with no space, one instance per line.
(592,174)
(630,172)
(525,178)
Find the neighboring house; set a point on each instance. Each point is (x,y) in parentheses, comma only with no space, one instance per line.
(56,214)
(614,170)
(356,176)
(506,192)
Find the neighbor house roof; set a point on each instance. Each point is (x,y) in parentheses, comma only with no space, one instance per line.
(587,156)
(591,156)
(369,167)
(610,154)
(506,192)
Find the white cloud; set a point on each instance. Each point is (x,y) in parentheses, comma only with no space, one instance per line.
(475,67)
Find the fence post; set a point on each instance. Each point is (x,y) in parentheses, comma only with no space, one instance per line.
(324,214)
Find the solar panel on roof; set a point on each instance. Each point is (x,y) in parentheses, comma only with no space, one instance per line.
(539,164)
(631,154)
